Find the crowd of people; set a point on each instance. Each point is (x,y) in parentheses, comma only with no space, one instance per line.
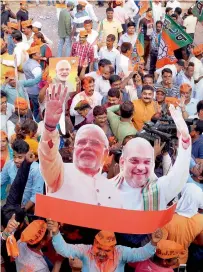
(127,135)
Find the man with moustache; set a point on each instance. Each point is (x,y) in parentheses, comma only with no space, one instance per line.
(80,181)
(139,188)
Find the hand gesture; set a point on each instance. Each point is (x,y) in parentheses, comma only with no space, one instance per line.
(179,121)
(12,224)
(156,236)
(54,106)
(52,226)
(30,157)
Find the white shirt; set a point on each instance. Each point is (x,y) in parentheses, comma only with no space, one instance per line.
(173,4)
(79,187)
(26,40)
(190,23)
(169,186)
(158,13)
(20,51)
(123,65)
(199,90)
(120,14)
(112,55)
(102,86)
(5,117)
(93,74)
(94,100)
(131,9)
(198,71)
(172,67)
(126,38)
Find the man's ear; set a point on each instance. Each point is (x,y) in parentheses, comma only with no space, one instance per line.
(121,163)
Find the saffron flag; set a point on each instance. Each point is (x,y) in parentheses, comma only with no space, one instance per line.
(140,43)
(198,10)
(173,37)
(144,5)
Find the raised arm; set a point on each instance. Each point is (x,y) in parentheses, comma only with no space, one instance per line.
(174,181)
(62,248)
(142,253)
(51,164)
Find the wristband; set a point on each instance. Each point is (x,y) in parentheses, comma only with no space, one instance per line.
(186,141)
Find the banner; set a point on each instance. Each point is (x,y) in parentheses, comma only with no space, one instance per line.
(64,71)
(102,218)
(173,37)
(198,10)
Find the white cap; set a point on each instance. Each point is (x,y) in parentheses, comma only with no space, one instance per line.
(37,24)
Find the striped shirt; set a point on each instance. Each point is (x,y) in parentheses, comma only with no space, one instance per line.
(79,19)
(83,51)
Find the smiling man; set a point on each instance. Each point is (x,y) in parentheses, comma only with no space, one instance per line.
(140,189)
(80,181)
(145,107)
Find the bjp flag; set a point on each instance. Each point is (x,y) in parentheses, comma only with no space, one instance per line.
(173,37)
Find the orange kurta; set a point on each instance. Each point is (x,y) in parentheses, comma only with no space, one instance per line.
(183,231)
(142,113)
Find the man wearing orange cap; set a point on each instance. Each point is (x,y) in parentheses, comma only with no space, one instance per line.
(10,44)
(104,255)
(27,32)
(190,104)
(32,239)
(84,51)
(196,59)
(22,112)
(165,259)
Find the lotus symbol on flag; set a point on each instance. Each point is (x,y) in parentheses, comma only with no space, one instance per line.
(163,50)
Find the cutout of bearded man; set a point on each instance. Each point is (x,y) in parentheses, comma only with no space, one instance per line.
(139,188)
(80,181)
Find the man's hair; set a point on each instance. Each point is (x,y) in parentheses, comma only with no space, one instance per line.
(29,26)
(199,126)
(87,22)
(147,88)
(3,94)
(191,64)
(178,10)
(166,70)
(148,76)
(114,78)
(26,128)
(159,23)
(63,61)
(126,46)
(168,9)
(87,80)
(104,62)
(181,62)
(131,24)
(127,109)
(109,9)
(174,16)
(17,35)
(114,93)
(20,147)
(112,37)
(79,7)
(99,110)
(199,106)
(189,11)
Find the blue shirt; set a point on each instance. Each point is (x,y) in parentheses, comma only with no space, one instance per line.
(86,255)
(197,148)
(11,45)
(35,182)
(191,180)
